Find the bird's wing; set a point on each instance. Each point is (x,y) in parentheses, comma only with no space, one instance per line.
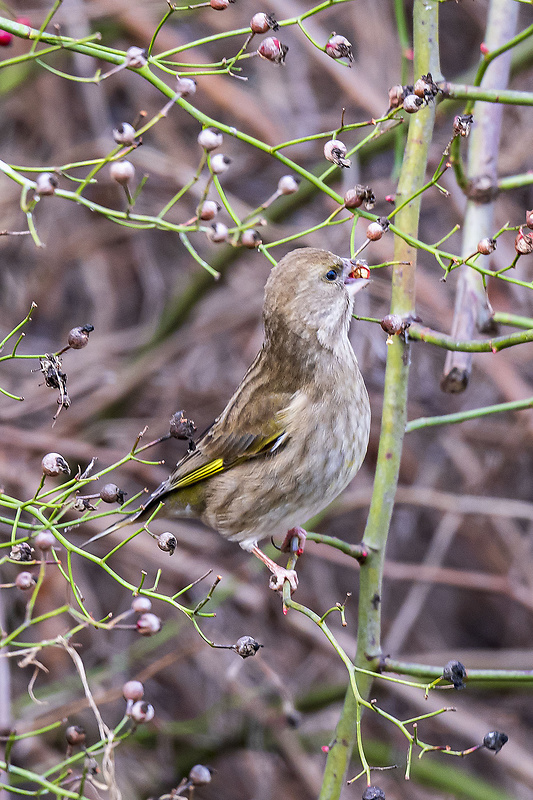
(221,448)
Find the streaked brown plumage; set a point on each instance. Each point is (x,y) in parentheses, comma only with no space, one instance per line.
(296,430)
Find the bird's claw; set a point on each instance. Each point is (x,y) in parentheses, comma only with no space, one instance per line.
(294,541)
(278,578)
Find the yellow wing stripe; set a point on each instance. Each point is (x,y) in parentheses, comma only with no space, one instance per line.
(217,465)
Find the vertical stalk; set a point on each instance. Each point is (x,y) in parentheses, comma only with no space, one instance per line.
(472,309)
(412,177)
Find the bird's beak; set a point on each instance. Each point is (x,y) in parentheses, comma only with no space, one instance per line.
(353,284)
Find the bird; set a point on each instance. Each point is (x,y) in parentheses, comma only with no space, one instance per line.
(295,432)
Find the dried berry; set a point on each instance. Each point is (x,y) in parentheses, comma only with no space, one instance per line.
(392,324)
(412,103)
(136,57)
(251,238)
(210,139)
(288,184)
(25,581)
(220,163)
(142,712)
(373,793)
(335,151)
(352,199)
(376,229)
(208,210)
(529,219)
(75,734)
(455,672)
(462,124)
(141,605)
(396,95)
(112,494)
(261,23)
(200,775)
(523,244)
(486,246)
(79,337)
(339,47)
(53,463)
(220,5)
(167,542)
(426,88)
(495,740)
(148,624)
(45,184)
(273,50)
(124,134)
(180,426)
(21,552)
(246,646)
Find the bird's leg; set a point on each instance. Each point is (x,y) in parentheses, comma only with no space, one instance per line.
(294,541)
(279,574)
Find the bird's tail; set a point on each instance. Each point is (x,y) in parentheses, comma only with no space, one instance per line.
(112,528)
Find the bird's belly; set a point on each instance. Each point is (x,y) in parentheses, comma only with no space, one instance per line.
(271,494)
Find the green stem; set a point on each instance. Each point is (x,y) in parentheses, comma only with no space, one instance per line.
(463,416)
(412,178)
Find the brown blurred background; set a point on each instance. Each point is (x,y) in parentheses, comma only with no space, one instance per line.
(459,575)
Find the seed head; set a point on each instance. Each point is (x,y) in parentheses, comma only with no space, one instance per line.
(523,244)
(167,542)
(412,103)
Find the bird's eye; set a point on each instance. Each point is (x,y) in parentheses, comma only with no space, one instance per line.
(331,275)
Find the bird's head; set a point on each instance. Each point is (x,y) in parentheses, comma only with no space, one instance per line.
(310,293)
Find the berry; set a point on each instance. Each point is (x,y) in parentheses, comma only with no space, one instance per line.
(79,337)
(112,494)
(167,542)
(133,690)
(210,139)
(142,712)
(218,232)
(251,238)
(208,210)
(46,183)
(246,646)
(185,86)
(288,184)
(335,151)
(339,47)
(261,23)
(148,624)
(200,775)
(122,172)
(412,103)
(486,246)
(124,133)
(75,734)
(141,605)
(220,163)
(53,463)
(44,540)
(273,50)
(25,581)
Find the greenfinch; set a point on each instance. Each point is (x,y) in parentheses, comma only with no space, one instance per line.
(296,430)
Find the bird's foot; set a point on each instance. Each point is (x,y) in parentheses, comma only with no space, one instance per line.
(279,576)
(294,541)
